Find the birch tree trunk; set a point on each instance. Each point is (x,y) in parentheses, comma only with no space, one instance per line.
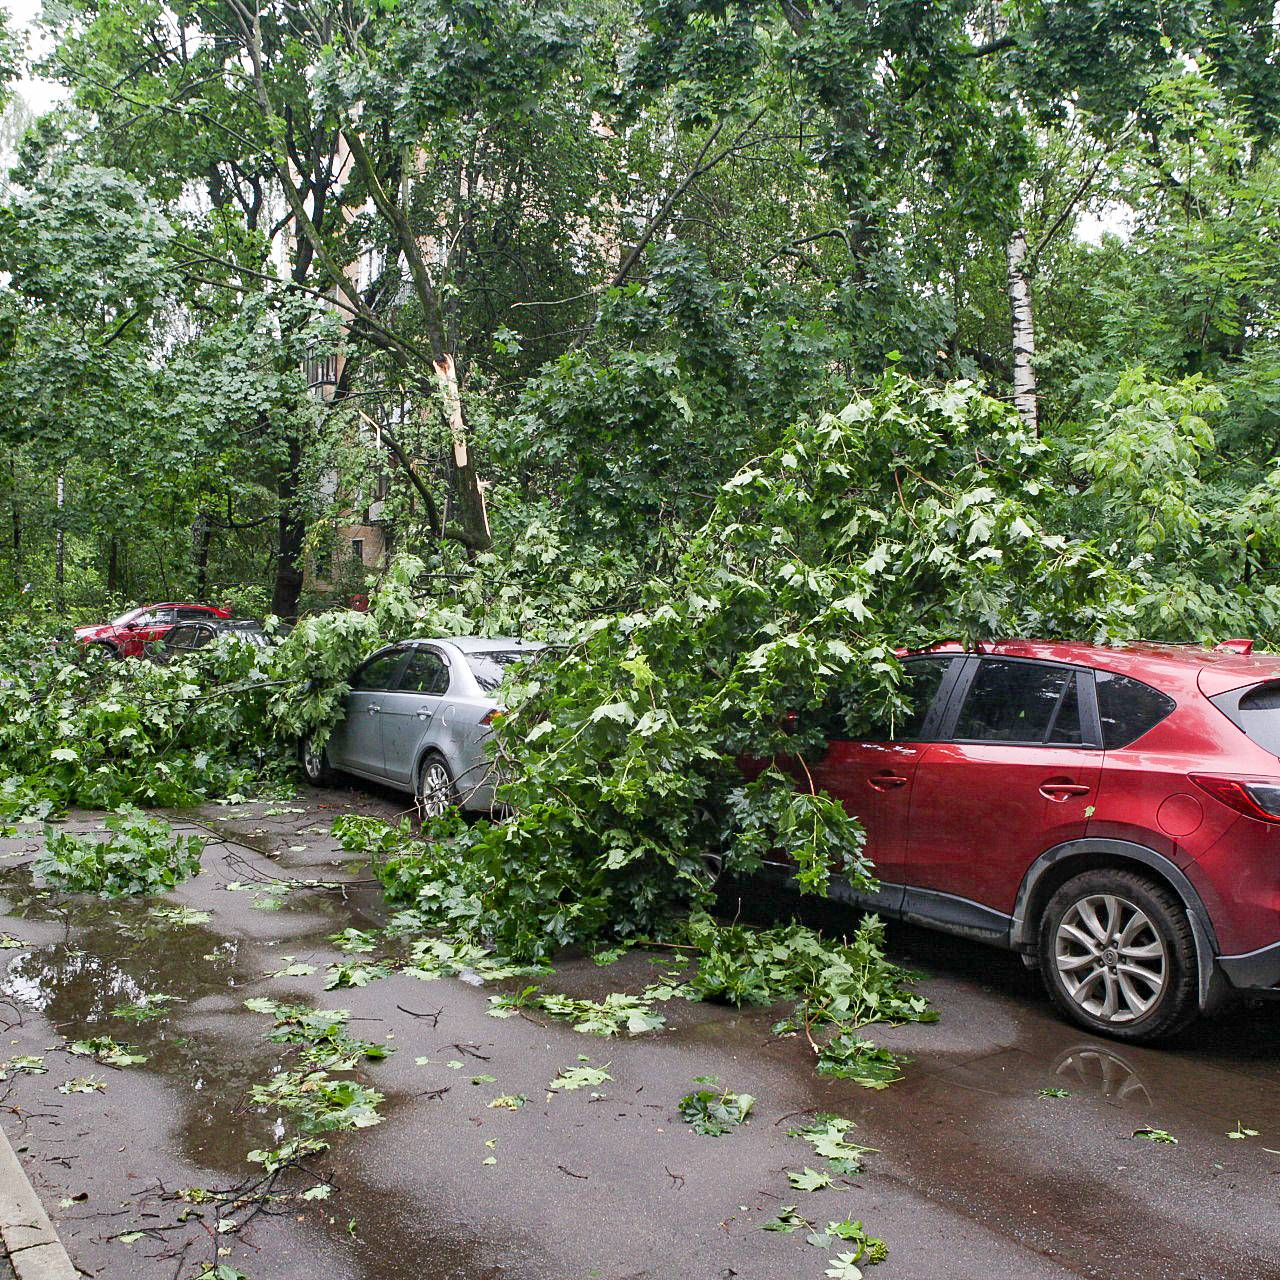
(60,546)
(1024,332)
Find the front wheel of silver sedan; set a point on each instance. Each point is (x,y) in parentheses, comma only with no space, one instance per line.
(1118,955)
(435,793)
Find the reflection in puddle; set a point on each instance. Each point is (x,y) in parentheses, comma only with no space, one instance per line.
(124,952)
(1095,1069)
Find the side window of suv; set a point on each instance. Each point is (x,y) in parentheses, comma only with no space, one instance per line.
(921,680)
(1028,702)
(1128,708)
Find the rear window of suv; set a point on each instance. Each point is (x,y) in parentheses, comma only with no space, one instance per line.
(1128,708)
(1255,711)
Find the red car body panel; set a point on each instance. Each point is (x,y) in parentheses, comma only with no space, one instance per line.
(965,827)
(129,639)
(873,781)
(982,813)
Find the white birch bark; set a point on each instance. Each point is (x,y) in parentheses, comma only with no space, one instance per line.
(1024,331)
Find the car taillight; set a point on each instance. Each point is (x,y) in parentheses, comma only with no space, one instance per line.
(1254,798)
(496,714)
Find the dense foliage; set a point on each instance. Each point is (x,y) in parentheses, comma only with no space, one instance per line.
(527,282)
(627,750)
(730,347)
(77,728)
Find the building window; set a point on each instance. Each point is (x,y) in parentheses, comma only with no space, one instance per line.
(357,549)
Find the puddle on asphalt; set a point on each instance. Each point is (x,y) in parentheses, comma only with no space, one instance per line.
(120,952)
(117,952)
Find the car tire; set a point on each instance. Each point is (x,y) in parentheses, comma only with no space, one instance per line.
(315,762)
(434,790)
(107,649)
(1118,956)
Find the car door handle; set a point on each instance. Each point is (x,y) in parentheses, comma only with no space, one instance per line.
(1063,790)
(424,715)
(887,781)
(374,709)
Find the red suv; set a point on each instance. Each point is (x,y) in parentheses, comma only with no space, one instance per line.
(130,633)
(1111,813)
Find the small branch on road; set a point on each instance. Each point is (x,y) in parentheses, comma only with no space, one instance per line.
(435,1017)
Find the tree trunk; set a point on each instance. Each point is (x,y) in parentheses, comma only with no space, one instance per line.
(201,536)
(113,565)
(473,516)
(292,530)
(17,526)
(60,553)
(1024,332)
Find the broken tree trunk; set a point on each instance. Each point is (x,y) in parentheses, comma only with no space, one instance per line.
(473,518)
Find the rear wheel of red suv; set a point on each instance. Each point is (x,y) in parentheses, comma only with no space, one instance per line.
(1118,955)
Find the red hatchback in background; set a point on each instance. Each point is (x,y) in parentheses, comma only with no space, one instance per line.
(1111,813)
(128,635)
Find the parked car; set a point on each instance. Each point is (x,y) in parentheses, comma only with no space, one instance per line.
(128,635)
(416,718)
(186,637)
(1111,813)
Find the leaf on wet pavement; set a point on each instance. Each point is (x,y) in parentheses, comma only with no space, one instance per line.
(111,1053)
(83,1084)
(580,1077)
(788,1219)
(714,1113)
(809,1180)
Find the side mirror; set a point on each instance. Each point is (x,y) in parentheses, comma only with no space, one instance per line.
(132,626)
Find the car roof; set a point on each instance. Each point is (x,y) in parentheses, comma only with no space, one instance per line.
(483,644)
(1176,665)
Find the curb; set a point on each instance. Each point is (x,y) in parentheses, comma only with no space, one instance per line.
(31,1243)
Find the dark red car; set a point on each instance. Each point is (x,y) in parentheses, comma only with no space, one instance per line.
(1111,813)
(130,633)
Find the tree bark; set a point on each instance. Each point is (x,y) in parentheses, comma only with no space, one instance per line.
(201,536)
(60,552)
(472,528)
(292,530)
(473,524)
(17,525)
(1024,332)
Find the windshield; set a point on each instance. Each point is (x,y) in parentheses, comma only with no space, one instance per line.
(489,666)
(125,617)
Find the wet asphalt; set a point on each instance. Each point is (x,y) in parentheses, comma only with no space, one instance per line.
(977,1174)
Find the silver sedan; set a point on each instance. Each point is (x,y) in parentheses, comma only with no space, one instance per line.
(416,718)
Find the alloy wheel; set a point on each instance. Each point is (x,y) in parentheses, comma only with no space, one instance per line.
(1111,958)
(312,760)
(435,791)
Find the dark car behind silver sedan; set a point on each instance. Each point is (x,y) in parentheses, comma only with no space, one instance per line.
(416,718)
